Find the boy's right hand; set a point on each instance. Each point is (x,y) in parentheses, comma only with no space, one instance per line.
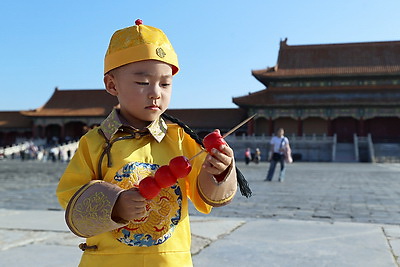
(129,205)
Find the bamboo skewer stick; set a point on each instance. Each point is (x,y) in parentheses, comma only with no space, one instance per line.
(238,126)
(228,133)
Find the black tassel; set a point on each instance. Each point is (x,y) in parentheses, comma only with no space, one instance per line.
(243,184)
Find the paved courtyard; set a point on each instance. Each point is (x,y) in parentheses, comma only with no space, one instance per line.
(345,192)
(324,214)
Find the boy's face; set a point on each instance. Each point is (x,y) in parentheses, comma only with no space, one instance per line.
(143,90)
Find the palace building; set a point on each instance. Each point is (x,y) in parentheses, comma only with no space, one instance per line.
(331,90)
(68,114)
(342,89)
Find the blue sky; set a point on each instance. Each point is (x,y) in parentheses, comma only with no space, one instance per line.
(45,44)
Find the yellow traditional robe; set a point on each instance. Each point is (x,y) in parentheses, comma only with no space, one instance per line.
(162,237)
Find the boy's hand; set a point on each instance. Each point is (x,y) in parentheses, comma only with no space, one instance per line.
(218,160)
(129,205)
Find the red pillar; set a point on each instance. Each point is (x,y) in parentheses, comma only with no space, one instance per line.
(361,130)
(34,131)
(42,132)
(3,139)
(250,127)
(299,126)
(62,133)
(330,130)
(271,126)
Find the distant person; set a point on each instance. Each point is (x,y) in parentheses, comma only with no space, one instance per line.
(54,154)
(247,156)
(69,154)
(279,145)
(22,154)
(257,155)
(45,155)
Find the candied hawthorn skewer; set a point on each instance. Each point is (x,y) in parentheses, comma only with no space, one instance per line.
(214,139)
(165,176)
(180,167)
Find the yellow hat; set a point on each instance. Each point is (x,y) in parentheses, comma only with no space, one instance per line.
(137,43)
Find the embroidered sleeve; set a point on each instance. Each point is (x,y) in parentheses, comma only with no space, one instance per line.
(218,193)
(89,211)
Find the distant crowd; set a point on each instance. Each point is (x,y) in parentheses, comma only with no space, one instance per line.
(46,152)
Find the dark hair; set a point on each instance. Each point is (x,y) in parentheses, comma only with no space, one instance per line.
(243,184)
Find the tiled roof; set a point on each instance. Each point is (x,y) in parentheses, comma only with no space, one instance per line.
(14,119)
(347,59)
(81,103)
(76,103)
(317,96)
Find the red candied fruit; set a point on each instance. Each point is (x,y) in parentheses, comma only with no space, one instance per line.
(180,166)
(149,188)
(213,140)
(164,177)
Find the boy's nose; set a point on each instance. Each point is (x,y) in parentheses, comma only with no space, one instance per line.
(155,92)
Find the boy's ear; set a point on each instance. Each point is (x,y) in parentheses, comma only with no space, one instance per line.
(109,83)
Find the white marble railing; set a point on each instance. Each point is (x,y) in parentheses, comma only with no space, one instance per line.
(292,138)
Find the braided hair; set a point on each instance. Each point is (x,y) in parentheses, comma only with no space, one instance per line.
(243,184)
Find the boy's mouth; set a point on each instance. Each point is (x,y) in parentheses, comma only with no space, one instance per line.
(153,107)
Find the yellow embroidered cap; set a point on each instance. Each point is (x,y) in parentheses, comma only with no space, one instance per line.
(137,43)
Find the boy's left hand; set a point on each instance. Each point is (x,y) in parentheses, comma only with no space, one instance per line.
(218,161)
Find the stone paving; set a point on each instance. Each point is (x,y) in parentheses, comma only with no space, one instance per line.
(359,193)
(329,192)
(344,192)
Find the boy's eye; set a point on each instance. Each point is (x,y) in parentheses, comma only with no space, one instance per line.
(165,84)
(142,83)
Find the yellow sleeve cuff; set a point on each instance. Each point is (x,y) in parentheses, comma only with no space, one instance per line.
(89,211)
(216,193)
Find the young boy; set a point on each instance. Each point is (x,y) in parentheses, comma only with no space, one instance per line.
(99,188)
